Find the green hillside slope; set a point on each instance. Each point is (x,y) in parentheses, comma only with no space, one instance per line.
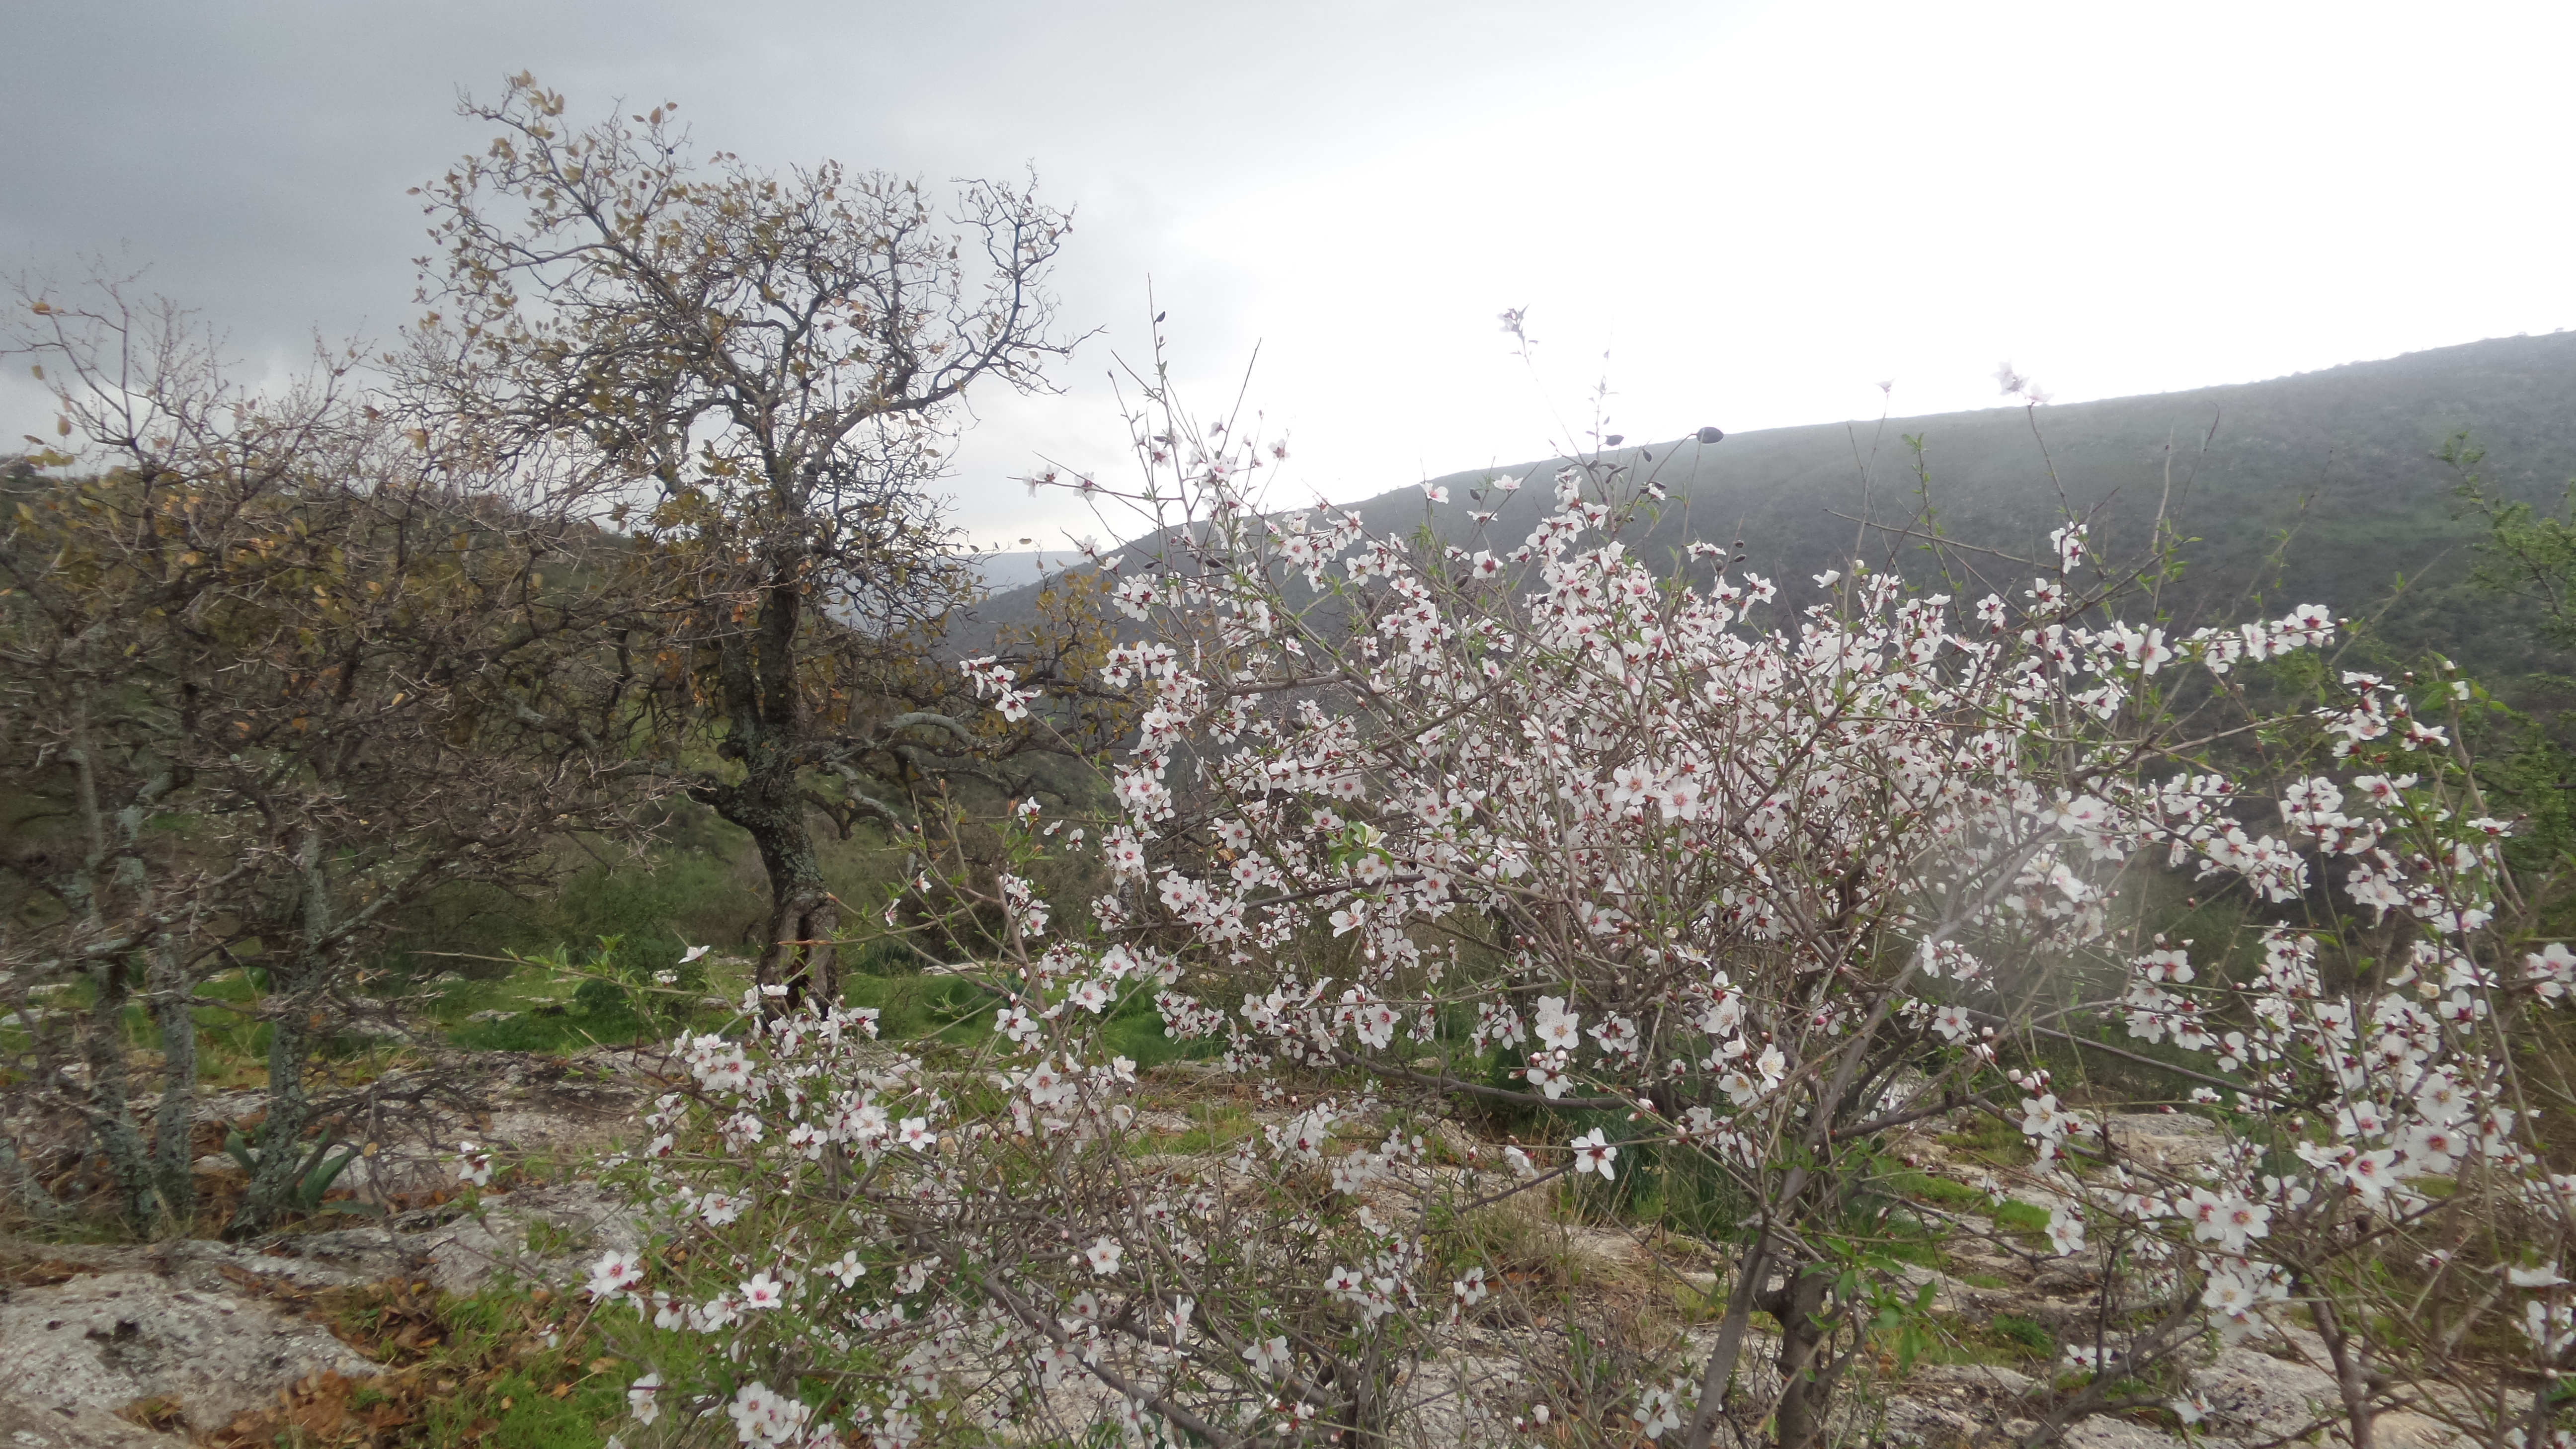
(2342,460)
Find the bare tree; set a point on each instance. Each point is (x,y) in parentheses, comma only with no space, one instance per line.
(770,363)
(276,667)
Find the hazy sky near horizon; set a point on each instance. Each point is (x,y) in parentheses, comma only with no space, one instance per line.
(1758,211)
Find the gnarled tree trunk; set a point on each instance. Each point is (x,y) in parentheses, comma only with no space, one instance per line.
(1807,1367)
(803,914)
(765,722)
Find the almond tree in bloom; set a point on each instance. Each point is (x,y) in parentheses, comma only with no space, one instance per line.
(1410,825)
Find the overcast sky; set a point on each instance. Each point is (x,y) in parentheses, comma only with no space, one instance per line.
(1759,211)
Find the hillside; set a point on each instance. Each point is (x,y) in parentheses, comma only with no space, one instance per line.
(1005,571)
(2342,460)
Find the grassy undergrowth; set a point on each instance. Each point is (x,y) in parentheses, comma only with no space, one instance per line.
(510,1367)
(553,1003)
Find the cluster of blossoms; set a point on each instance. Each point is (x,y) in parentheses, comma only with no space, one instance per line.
(994,681)
(1637,846)
(2407,1080)
(1700,838)
(822,1197)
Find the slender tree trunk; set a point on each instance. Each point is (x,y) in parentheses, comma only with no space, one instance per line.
(294,991)
(174,1124)
(168,991)
(2351,1364)
(803,915)
(1750,1281)
(281,1134)
(1362,1413)
(1720,1370)
(110,1109)
(800,952)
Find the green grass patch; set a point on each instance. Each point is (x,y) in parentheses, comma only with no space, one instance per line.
(909,1008)
(2028,1334)
(1939,1191)
(1990,1140)
(616,994)
(1219,1128)
(2021,1217)
(509,1367)
(2003,1338)
(1141,1039)
(561,1033)
(1922,1252)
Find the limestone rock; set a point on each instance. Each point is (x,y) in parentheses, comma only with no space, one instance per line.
(2253,1391)
(102,1341)
(2099,1433)
(2166,1139)
(543,1234)
(27,1425)
(314,1260)
(1991,1380)
(2405,1430)
(1930,1423)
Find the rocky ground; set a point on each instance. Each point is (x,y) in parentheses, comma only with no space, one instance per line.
(176,1342)
(189,1334)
